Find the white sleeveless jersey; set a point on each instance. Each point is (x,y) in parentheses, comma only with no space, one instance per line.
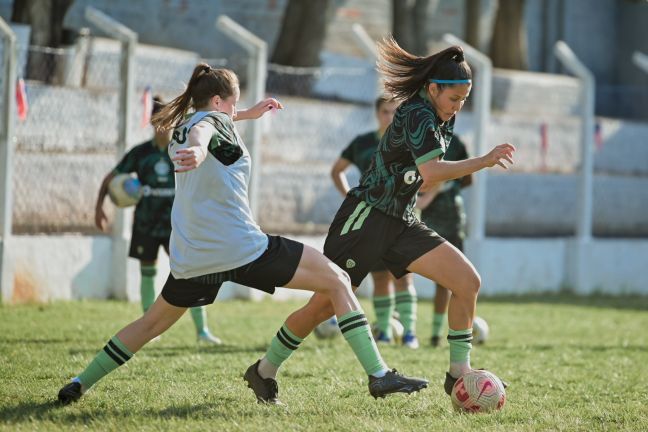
(212,225)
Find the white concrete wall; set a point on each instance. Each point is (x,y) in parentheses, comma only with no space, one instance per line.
(75,267)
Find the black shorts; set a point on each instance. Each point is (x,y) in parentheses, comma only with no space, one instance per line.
(145,248)
(379,267)
(456,241)
(359,238)
(274,268)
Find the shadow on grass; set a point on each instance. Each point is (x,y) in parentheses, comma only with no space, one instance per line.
(631,302)
(155,350)
(29,411)
(76,413)
(561,347)
(35,341)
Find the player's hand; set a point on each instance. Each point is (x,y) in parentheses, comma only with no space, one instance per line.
(101,221)
(263,107)
(497,156)
(189,158)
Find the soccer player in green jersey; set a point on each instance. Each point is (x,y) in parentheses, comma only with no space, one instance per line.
(376,220)
(442,210)
(152,224)
(215,239)
(389,293)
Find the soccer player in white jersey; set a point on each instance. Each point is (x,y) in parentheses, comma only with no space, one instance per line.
(215,239)
(152,220)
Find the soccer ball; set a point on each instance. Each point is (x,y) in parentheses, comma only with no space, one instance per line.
(328,329)
(480,330)
(397,330)
(478,391)
(124,190)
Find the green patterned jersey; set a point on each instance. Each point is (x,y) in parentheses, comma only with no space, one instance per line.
(361,150)
(154,170)
(445,214)
(415,136)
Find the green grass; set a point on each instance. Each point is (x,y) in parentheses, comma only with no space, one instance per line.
(573,364)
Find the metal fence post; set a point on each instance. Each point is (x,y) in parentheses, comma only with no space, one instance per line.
(482,89)
(128,40)
(577,259)
(257,73)
(6,156)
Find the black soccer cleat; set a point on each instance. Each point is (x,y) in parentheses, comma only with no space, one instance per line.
(265,389)
(394,382)
(450,382)
(71,392)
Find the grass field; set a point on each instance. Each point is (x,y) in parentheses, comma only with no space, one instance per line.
(573,364)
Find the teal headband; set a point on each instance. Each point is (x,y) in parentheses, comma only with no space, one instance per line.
(458,81)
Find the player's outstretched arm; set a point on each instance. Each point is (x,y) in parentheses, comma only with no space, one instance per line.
(101,221)
(435,170)
(259,109)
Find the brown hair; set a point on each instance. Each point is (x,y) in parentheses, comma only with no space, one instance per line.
(205,83)
(405,74)
(381,100)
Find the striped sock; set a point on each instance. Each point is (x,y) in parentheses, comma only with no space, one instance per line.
(384,309)
(113,355)
(460,346)
(437,323)
(147,286)
(282,346)
(406,308)
(356,331)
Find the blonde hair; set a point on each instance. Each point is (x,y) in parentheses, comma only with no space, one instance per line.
(205,83)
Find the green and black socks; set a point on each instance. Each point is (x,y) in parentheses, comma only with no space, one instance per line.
(113,355)
(282,346)
(356,331)
(460,342)
(384,309)
(406,308)
(147,285)
(437,323)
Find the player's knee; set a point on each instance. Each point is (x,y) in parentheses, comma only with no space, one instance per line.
(340,282)
(474,283)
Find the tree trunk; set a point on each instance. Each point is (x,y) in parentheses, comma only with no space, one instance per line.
(303,31)
(409,24)
(46,20)
(509,46)
(473,23)
(401,24)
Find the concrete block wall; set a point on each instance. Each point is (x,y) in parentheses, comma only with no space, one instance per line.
(73,267)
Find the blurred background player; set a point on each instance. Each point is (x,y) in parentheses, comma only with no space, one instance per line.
(152,225)
(442,209)
(389,293)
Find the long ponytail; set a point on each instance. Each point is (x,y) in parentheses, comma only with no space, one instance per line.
(205,82)
(405,74)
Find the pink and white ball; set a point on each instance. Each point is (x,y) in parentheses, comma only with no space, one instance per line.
(478,391)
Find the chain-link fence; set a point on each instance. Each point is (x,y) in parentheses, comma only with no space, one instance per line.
(66,140)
